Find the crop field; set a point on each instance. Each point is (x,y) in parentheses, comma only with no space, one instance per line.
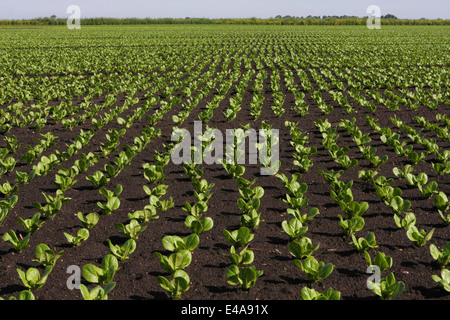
(355,205)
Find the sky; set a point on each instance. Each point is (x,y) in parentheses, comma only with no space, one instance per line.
(412,9)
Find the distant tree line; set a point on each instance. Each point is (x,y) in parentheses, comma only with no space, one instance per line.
(387,19)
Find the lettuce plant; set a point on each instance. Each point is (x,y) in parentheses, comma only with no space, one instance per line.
(176,261)
(388,288)
(294,228)
(251,219)
(164,205)
(10,203)
(419,237)
(97,293)
(7,189)
(302,248)
(303,218)
(245,256)
(387,193)
(314,270)
(153,173)
(443,280)
(3,215)
(352,225)
(176,287)
(145,215)
(111,205)
(364,244)
(31,225)
(176,243)
(240,237)
(64,183)
(23,295)
(441,202)
(408,221)
(122,252)
(441,256)
(130,230)
(46,256)
(383,261)
(398,205)
(89,220)
(103,274)
(197,225)
(244,277)
(19,245)
(33,279)
(311,294)
(430,189)
(98,179)
(82,235)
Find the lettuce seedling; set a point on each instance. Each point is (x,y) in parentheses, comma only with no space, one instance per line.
(245,256)
(176,261)
(302,248)
(352,225)
(177,286)
(130,230)
(64,183)
(387,193)
(176,243)
(9,203)
(245,277)
(364,244)
(46,256)
(111,205)
(294,228)
(311,294)
(198,226)
(98,179)
(398,205)
(383,261)
(153,173)
(103,274)
(368,175)
(240,237)
(19,245)
(144,216)
(8,190)
(122,252)
(90,220)
(304,218)
(23,295)
(314,270)
(388,288)
(82,235)
(33,279)
(31,225)
(443,280)
(98,293)
(419,237)
(3,215)
(164,205)
(441,202)
(408,221)
(355,209)
(441,256)
(430,189)
(251,219)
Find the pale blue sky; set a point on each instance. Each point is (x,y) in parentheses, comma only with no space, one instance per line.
(23,9)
